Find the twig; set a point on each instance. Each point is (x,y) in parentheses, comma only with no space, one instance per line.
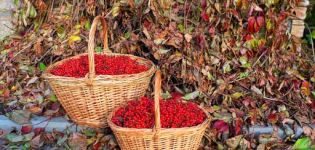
(278,100)
(259,58)
(312,43)
(43,56)
(28,46)
(52,6)
(288,91)
(106,16)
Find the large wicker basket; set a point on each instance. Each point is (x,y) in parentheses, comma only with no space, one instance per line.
(89,100)
(187,138)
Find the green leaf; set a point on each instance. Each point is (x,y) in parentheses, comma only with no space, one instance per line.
(243,60)
(181,28)
(243,75)
(313,34)
(115,10)
(37,24)
(87,25)
(53,98)
(42,66)
(226,67)
(33,12)
(237,95)
(98,49)
(77,26)
(268,3)
(26,146)
(28,137)
(269,24)
(127,35)
(303,144)
(89,133)
(313,93)
(16,2)
(216,107)
(247,65)
(210,76)
(192,95)
(74,38)
(14,138)
(308,39)
(61,32)
(166,95)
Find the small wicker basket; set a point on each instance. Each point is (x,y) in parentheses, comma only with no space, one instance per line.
(89,100)
(187,138)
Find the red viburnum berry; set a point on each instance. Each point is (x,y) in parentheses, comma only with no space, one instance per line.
(104,65)
(174,113)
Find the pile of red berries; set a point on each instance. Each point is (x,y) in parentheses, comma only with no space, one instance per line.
(174,113)
(104,65)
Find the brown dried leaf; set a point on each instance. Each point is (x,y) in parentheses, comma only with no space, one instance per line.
(77,141)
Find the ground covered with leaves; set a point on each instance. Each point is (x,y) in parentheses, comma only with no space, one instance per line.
(234,57)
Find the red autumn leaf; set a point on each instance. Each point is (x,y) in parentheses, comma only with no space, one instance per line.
(306,84)
(26,129)
(226,26)
(11,54)
(38,131)
(255,23)
(296,84)
(313,104)
(203,4)
(96,146)
(251,24)
(248,37)
(238,126)
(273,118)
(147,24)
(260,21)
(205,16)
(221,126)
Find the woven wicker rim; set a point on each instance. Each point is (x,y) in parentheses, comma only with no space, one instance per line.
(91,75)
(157,128)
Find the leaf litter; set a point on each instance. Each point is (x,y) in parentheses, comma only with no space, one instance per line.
(235,58)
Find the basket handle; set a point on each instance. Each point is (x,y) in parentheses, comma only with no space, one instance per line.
(157,92)
(91,43)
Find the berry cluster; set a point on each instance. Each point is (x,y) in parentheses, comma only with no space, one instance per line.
(104,65)
(174,113)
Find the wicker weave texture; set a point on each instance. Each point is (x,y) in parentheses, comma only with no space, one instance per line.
(187,138)
(89,100)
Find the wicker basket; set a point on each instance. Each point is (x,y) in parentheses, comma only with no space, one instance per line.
(89,100)
(187,138)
